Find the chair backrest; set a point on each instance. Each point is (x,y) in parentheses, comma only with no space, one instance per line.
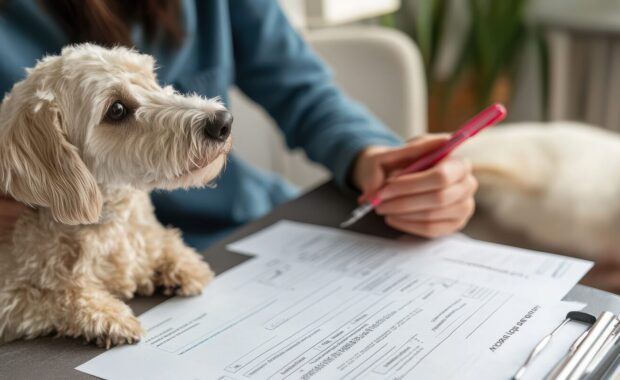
(379,67)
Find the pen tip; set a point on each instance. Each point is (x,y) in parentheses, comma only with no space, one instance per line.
(346,223)
(349,222)
(357,214)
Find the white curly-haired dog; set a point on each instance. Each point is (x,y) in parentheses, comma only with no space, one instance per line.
(557,184)
(82,140)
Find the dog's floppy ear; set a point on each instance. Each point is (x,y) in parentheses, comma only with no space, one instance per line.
(40,167)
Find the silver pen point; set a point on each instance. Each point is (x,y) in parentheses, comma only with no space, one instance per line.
(357,214)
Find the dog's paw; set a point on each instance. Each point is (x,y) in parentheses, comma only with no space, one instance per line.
(193,282)
(117,331)
(185,279)
(106,321)
(146,287)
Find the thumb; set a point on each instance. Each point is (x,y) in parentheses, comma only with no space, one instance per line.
(399,158)
(372,181)
(388,162)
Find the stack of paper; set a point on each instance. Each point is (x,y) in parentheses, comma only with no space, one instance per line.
(321,303)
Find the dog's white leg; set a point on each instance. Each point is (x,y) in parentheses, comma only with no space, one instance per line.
(24,313)
(178,268)
(95,314)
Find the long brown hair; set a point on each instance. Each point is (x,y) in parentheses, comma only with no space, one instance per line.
(109,22)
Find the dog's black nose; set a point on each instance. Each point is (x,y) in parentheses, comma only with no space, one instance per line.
(218,127)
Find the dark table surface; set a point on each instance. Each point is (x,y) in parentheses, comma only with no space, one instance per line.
(56,358)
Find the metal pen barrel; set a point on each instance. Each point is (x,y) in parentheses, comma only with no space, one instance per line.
(605,357)
(575,366)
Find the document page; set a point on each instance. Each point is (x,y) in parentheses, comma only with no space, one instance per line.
(320,303)
(535,274)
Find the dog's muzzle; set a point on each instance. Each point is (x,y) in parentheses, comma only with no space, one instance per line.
(219,126)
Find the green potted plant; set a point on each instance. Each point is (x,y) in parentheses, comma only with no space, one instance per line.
(486,64)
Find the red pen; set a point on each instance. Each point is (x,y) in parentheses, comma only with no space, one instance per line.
(488,117)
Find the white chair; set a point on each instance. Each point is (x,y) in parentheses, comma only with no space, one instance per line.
(379,67)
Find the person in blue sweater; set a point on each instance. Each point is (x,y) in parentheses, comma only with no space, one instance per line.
(208,46)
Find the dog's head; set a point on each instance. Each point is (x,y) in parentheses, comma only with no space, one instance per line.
(96,118)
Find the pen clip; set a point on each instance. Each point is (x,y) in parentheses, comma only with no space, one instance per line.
(489,116)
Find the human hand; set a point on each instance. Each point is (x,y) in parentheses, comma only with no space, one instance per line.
(10,211)
(431,203)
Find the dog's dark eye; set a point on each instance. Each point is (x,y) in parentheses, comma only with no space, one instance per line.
(116,112)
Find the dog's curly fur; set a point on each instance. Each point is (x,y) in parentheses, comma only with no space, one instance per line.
(90,238)
(554,183)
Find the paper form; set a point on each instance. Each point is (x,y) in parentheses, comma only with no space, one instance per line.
(318,303)
(503,365)
(534,274)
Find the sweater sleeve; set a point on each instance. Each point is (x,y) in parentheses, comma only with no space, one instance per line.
(279,71)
